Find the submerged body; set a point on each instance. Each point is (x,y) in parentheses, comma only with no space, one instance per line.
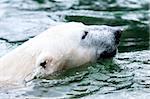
(58,48)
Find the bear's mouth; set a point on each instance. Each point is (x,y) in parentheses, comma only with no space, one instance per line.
(107,54)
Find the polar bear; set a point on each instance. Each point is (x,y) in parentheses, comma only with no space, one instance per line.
(58,48)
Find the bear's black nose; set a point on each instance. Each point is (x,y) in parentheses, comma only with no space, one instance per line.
(117,35)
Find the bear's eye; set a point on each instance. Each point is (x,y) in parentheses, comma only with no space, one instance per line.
(85,34)
(43,64)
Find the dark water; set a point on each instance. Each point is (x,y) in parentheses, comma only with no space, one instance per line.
(127,76)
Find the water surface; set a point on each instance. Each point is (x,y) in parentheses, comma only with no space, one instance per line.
(127,76)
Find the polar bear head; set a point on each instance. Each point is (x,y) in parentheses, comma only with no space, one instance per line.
(74,44)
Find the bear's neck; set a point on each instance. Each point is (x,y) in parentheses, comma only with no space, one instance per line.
(10,69)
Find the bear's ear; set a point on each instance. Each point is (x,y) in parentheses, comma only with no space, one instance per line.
(43,64)
(43,60)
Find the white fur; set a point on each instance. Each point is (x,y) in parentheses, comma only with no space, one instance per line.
(60,46)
